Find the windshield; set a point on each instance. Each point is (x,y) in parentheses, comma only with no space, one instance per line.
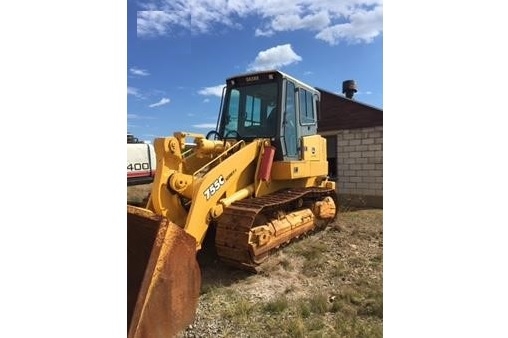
(250,111)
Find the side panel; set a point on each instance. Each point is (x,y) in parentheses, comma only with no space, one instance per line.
(141,162)
(313,163)
(286,170)
(314,148)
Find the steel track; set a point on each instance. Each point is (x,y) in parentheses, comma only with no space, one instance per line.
(235,224)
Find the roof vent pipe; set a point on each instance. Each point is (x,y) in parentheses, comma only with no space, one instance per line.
(349,88)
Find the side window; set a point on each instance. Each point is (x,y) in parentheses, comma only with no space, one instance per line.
(307,113)
(290,136)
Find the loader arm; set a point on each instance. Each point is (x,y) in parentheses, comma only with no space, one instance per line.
(230,176)
(222,177)
(169,161)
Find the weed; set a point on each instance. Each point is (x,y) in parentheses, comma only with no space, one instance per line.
(377,258)
(289,288)
(310,250)
(314,324)
(357,261)
(372,306)
(295,328)
(350,295)
(338,270)
(319,304)
(242,308)
(312,268)
(286,264)
(276,305)
(303,308)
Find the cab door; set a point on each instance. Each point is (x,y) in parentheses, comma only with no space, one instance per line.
(289,123)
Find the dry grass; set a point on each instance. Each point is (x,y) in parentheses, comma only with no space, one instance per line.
(326,285)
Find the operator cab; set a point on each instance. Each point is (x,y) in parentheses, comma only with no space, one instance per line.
(272,105)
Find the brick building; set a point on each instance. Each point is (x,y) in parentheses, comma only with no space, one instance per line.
(354,133)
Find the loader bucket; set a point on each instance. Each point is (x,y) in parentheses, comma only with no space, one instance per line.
(163,276)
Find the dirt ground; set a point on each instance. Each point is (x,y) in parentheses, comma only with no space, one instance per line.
(137,194)
(328,284)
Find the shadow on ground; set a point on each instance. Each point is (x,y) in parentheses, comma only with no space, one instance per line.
(214,272)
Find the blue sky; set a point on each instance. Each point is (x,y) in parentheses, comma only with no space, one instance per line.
(179,54)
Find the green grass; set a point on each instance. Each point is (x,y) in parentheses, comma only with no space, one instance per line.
(349,314)
(319,304)
(310,249)
(355,328)
(277,305)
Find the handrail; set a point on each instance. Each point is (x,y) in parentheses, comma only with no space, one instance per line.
(226,152)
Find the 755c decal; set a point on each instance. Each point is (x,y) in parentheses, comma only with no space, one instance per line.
(214,187)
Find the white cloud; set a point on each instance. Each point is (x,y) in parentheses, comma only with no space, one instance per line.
(139,72)
(275,57)
(204,126)
(158,23)
(357,21)
(133,91)
(293,22)
(364,26)
(260,32)
(162,102)
(139,117)
(212,91)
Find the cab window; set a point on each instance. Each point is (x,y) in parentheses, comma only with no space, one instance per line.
(307,114)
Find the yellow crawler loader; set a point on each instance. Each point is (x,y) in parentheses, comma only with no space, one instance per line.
(260,180)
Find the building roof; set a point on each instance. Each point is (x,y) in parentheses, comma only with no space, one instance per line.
(338,112)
